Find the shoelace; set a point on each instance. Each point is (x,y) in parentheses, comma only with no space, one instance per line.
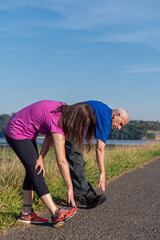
(58,213)
(27,215)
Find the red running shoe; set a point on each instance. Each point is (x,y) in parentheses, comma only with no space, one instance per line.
(62,216)
(32,218)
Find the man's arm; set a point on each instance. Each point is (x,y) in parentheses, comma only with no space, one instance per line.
(100,160)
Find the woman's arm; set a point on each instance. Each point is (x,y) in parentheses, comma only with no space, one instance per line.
(48,142)
(59,145)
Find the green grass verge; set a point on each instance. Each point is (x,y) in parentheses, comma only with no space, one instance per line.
(118,159)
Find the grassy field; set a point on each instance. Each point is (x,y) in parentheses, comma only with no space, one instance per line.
(118,159)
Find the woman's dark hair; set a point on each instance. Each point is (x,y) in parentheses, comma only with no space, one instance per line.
(78,122)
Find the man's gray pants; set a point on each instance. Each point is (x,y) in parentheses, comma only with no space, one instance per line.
(77,170)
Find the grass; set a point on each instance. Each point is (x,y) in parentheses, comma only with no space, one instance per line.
(118,159)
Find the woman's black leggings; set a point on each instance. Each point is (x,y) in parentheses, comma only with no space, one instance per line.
(27,152)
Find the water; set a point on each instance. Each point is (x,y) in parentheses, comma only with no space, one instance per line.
(109,142)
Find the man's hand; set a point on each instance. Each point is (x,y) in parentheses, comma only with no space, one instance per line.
(102,181)
(40,164)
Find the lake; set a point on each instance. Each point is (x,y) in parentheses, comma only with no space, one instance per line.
(109,142)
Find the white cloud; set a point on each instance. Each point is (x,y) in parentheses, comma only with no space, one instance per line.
(144,68)
(92,13)
(129,21)
(61,52)
(148,36)
(15,49)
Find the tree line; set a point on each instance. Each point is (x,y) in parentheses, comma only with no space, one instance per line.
(133,130)
(4,118)
(136,130)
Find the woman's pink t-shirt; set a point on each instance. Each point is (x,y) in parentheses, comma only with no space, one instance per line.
(34,119)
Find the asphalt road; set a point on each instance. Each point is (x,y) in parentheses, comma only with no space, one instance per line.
(131,212)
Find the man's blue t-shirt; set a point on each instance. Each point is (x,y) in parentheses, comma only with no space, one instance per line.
(104,116)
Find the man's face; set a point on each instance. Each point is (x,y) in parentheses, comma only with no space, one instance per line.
(118,122)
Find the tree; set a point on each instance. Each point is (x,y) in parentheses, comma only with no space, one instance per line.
(4,118)
(135,130)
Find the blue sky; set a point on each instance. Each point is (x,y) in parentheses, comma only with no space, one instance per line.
(71,51)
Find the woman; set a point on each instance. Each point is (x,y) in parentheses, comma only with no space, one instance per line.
(56,120)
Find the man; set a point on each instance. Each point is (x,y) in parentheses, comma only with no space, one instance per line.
(107,119)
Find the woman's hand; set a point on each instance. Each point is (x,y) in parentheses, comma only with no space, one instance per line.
(70,197)
(40,164)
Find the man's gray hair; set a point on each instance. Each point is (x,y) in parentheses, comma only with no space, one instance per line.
(123,113)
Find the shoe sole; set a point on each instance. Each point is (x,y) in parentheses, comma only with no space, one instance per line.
(31,222)
(61,223)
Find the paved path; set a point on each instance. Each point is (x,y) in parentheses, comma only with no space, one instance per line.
(131,212)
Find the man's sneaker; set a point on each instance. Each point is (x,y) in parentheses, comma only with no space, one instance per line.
(95,200)
(62,216)
(80,200)
(32,218)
